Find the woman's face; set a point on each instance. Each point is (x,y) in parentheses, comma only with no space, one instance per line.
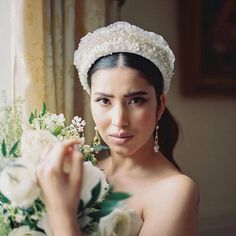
(124,109)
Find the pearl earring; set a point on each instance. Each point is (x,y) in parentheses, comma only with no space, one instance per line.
(156,145)
(96,139)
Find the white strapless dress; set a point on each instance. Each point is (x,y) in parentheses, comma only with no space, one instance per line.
(136,223)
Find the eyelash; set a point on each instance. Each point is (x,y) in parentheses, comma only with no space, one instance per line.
(137,100)
(102,101)
(134,100)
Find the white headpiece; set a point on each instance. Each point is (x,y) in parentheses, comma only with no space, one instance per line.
(124,37)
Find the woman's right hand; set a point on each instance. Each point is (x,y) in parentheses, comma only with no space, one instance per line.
(61,189)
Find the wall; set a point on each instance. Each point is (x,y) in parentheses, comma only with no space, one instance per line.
(206,149)
(5,47)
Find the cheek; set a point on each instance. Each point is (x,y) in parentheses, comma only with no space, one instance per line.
(145,117)
(99,117)
(146,122)
(145,126)
(100,122)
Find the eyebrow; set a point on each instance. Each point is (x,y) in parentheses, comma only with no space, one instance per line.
(131,94)
(138,93)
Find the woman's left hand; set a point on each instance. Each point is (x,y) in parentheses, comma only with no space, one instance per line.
(61,189)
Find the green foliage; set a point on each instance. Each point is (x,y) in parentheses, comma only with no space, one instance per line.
(118,196)
(95,209)
(31,118)
(44,109)
(105,207)
(14,150)
(4,148)
(4,226)
(57,130)
(30,215)
(10,136)
(95,194)
(10,126)
(33,115)
(3,199)
(98,148)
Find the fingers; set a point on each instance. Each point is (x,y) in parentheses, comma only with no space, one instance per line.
(61,188)
(76,173)
(59,158)
(56,157)
(64,151)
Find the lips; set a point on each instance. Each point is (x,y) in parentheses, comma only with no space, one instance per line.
(120,137)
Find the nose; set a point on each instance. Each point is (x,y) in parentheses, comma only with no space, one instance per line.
(119,116)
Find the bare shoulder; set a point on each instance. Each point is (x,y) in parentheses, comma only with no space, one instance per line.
(171,207)
(174,183)
(178,187)
(181,184)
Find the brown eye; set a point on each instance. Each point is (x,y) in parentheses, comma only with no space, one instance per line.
(103,101)
(137,100)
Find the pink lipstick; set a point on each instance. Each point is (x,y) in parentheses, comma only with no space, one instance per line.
(120,137)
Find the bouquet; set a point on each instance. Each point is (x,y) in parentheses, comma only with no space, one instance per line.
(22,210)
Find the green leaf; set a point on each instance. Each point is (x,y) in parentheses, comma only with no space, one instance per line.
(98,148)
(81,206)
(109,204)
(31,118)
(106,207)
(4,148)
(96,215)
(110,189)
(15,155)
(31,223)
(95,194)
(13,149)
(44,109)
(57,130)
(39,204)
(35,113)
(119,196)
(3,199)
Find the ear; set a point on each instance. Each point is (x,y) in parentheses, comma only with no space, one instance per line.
(161,106)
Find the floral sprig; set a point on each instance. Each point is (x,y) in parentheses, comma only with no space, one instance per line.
(56,125)
(22,210)
(10,127)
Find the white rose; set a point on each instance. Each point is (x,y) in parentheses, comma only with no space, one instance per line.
(20,218)
(117,223)
(18,182)
(25,231)
(37,143)
(92,175)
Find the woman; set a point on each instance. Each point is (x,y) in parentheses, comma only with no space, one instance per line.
(127,72)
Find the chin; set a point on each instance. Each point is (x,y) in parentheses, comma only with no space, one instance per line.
(123,151)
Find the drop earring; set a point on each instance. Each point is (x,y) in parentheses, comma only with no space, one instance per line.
(156,145)
(96,139)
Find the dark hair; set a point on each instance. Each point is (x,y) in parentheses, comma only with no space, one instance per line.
(168,129)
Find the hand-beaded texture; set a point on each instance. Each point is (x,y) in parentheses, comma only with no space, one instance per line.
(124,37)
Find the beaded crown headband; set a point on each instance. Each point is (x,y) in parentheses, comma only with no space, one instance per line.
(124,37)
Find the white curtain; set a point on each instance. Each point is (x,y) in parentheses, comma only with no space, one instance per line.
(42,54)
(95,14)
(43,44)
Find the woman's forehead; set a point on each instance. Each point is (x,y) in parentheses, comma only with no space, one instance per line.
(121,78)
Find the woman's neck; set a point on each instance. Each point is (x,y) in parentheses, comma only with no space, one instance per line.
(139,162)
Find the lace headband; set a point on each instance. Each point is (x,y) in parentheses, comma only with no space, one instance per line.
(124,37)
